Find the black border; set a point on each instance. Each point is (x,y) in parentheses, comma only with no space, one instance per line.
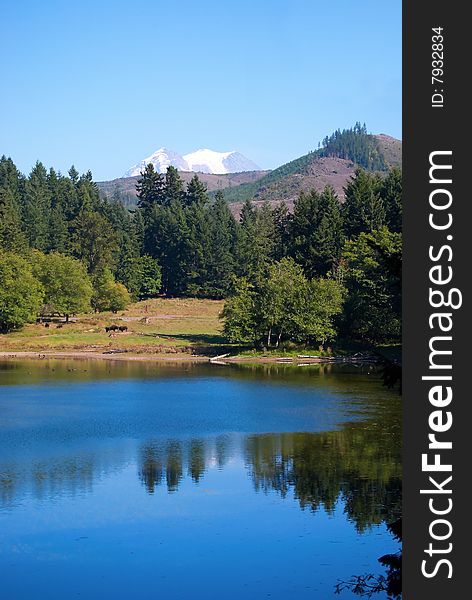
(426,129)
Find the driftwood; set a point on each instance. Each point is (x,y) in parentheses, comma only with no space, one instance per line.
(214,358)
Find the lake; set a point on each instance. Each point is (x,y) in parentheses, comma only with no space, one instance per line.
(137,480)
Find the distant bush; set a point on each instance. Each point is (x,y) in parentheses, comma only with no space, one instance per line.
(108,294)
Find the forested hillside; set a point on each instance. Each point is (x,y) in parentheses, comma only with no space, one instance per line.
(333,163)
(124,188)
(304,276)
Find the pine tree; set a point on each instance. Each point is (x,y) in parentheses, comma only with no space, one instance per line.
(36,209)
(373,278)
(222,248)
(256,243)
(196,215)
(248,212)
(167,240)
(282,220)
(363,209)
(391,194)
(66,196)
(12,237)
(317,231)
(174,186)
(73,175)
(196,192)
(58,236)
(94,241)
(357,145)
(138,229)
(11,178)
(150,189)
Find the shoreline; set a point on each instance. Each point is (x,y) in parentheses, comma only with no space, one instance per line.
(182,357)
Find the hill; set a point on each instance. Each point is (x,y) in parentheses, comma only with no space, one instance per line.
(328,165)
(333,164)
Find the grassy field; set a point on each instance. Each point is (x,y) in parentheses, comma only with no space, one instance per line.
(161,327)
(167,326)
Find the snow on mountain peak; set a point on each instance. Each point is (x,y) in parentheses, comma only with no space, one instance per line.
(200,161)
(207,161)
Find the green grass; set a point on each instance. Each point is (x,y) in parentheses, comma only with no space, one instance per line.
(157,325)
(162,326)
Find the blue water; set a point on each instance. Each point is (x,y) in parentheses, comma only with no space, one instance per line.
(132,481)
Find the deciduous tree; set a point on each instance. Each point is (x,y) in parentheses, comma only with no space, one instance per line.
(21,294)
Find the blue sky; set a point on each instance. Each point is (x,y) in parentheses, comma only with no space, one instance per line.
(103,84)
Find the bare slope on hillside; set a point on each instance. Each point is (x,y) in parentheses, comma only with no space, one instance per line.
(124,188)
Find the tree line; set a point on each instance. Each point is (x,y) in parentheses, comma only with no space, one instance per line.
(354,144)
(304,275)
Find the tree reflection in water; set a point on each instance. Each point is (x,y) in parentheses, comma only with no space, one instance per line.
(359,465)
(133,436)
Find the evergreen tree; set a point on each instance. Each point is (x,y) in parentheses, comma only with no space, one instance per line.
(73,175)
(317,231)
(94,241)
(65,195)
(58,238)
(37,204)
(256,244)
(198,225)
(167,241)
(196,192)
(138,226)
(221,264)
(11,234)
(248,213)
(391,194)
(363,209)
(373,279)
(143,277)
(128,245)
(150,189)
(86,197)
(282,222)
(174,186)
(57,225)
(11,179)
(357,145)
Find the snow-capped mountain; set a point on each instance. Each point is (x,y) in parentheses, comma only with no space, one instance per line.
(161,159)
(201,161)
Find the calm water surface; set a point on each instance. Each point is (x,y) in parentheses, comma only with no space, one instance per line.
(144,481)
